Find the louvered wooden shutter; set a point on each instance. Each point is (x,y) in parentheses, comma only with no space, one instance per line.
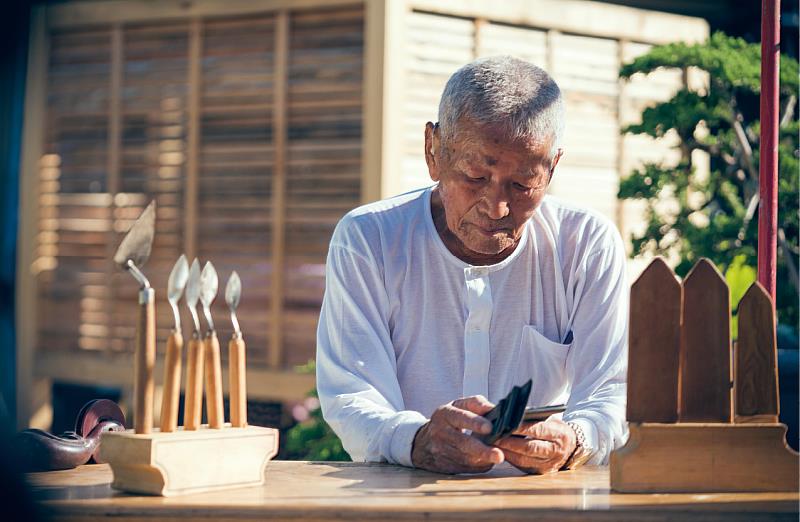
(152,156)
(436,46)
(586,70)
(74,203)
(324,158)
(184,112)
(235,174)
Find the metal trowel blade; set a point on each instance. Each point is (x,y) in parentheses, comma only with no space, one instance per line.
(136,245)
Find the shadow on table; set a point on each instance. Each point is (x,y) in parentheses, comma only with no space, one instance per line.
(383,477)
(396,481)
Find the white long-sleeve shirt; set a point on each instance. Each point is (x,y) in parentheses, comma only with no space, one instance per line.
(406,326)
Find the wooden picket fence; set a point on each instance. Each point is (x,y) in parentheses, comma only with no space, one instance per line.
(703,413)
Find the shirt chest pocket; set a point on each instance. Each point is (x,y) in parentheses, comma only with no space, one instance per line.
(545,362)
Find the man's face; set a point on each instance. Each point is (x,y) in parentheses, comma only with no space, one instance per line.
(489,186)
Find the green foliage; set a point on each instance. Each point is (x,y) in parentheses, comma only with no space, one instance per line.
(313,439)
(739,277)
(716,215)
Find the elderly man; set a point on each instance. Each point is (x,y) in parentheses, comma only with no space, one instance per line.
(438,301)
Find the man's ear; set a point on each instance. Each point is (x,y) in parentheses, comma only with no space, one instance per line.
(432,143)
(559,153)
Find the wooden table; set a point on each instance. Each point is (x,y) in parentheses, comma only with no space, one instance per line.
(378,492)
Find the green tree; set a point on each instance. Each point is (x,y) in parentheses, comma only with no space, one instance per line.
(717,215)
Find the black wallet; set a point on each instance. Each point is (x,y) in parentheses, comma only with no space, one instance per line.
(507,415)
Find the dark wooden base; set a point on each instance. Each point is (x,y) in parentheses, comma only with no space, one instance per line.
(685,457)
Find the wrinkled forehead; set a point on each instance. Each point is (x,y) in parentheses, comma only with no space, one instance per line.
(488,144)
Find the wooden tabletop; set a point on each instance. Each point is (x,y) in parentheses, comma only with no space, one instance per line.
(350,491)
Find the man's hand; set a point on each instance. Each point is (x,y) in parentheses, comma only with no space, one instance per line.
(546,447)
(442,446)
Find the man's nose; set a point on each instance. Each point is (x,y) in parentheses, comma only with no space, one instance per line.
(496,203)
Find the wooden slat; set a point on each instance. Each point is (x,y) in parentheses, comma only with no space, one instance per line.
(114,159)
(756,368)
(523,42)
(705,385)
(193,141)
(654,345)
(279,132)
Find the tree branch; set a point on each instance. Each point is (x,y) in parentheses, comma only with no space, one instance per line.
(788,111)
(752,205)
(747,150)
(793,277)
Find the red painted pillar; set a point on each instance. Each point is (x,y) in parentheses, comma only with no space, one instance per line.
(768,174)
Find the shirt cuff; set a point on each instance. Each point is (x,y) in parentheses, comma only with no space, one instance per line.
(407,423)
(591,439)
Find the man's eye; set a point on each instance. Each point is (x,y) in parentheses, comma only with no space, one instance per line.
(520,186)
(479,179)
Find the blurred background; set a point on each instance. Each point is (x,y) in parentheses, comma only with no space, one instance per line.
(256,125)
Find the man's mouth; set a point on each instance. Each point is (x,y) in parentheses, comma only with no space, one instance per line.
(489,232)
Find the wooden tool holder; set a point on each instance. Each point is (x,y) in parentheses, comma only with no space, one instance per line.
(193,461)
(193,458)
(703,417)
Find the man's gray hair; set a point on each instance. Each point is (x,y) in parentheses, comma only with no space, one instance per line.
(506,93)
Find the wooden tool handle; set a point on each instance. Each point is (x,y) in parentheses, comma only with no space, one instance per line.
(214,408)
(145,361)
(192,407)
(172,382)
(238,382)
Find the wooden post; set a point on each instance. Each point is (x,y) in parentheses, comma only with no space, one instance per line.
(477,40)
(280,125)
(193,140)
(705,377)
(372,114)
(768,175)
(654,345)
(756,367)
(114,146)
(27,291)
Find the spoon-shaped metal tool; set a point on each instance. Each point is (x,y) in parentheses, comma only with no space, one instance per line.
(233,292)
(172,362)
(193,294)
(209,284)
(236,357)
(175,286)
(192,410)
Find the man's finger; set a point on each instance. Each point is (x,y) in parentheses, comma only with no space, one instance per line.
(540,449)
(531,464)
(548,430)
(476,404)
(473,450)
(463,419)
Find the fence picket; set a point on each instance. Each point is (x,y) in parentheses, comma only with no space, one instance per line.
(756,369)
(705,377)
(654,345)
